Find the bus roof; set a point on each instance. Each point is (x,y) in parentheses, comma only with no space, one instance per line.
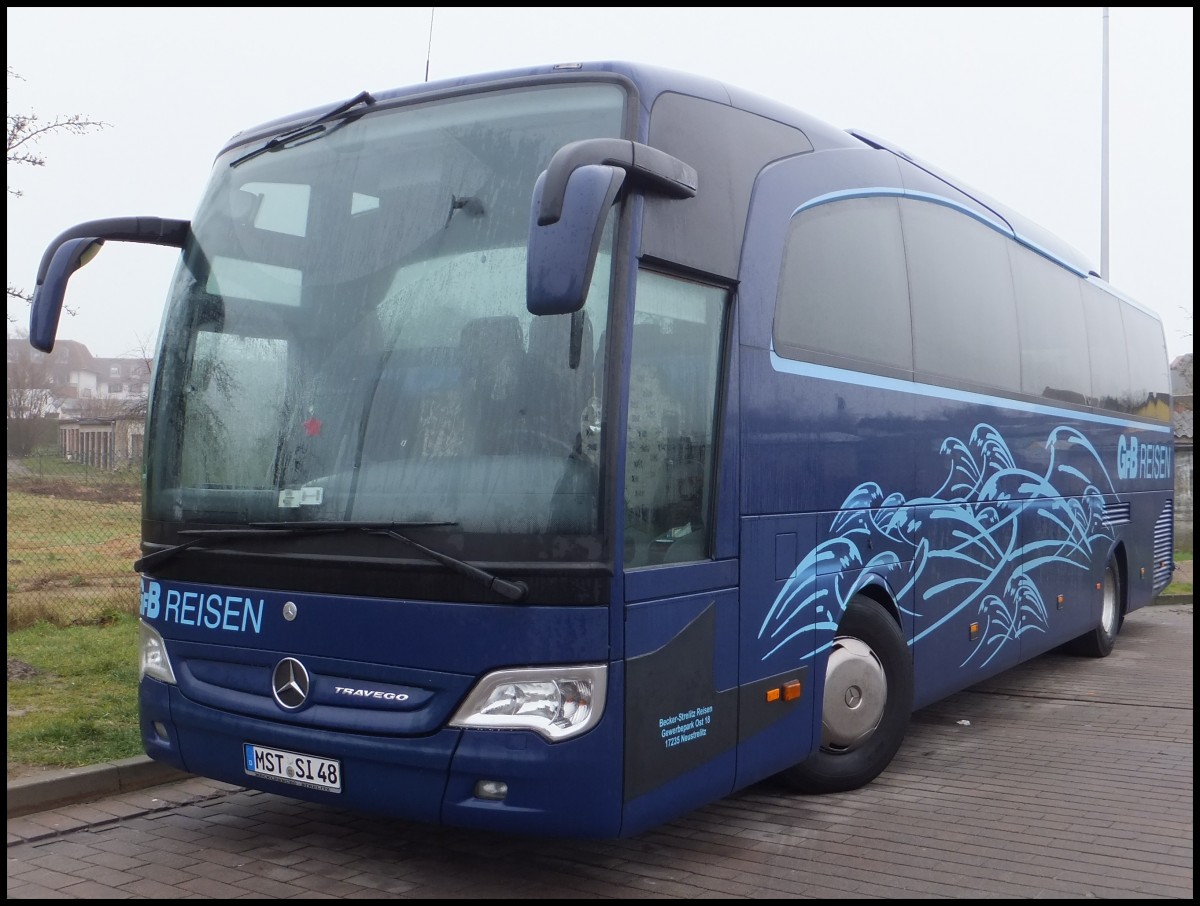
(652,81)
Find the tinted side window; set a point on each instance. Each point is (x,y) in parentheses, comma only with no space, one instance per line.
(1106,345)
(728,147)
(964,319)
(1149,373)
(843,293)
(1054,351)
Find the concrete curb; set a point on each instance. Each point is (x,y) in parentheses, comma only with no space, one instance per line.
(55,789)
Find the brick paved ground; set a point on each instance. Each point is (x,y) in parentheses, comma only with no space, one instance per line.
(1064,778)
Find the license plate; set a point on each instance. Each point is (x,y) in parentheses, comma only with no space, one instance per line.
(294,767)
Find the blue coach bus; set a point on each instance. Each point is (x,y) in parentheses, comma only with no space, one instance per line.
(560,450)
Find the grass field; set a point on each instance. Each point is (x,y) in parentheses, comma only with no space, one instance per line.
(72,626)
(72,695)
(70,556)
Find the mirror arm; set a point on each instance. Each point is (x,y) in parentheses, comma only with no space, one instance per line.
(645,167)
(74,248)
(153,230)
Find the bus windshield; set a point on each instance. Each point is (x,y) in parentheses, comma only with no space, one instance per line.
(347,339)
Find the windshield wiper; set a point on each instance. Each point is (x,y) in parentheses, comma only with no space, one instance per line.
(309,130)
(514,591)
(269,530)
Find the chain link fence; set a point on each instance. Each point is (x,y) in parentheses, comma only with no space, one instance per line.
(73,531)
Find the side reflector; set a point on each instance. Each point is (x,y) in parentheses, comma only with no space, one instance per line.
(974,631)
(788,692)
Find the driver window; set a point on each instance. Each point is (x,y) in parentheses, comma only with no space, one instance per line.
(675,367)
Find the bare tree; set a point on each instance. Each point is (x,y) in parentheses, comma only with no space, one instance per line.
(136,406)
(25,130)
(1182,367)
(30,395)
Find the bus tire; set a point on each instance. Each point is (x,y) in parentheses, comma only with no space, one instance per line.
(866,707)
(1099,641)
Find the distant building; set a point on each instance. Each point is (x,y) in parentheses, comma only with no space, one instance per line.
(97,405)
(1182,419)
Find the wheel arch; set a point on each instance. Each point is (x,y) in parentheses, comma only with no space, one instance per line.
(877,589)
(866,694)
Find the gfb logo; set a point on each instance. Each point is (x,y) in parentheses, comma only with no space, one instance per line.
(151,599)
(1136,459)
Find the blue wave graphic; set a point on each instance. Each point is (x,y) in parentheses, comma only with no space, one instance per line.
(981,562)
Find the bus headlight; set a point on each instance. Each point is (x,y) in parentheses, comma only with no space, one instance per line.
(153,660)
(557,702)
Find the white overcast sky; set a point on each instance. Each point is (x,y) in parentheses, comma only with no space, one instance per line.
(1008,99)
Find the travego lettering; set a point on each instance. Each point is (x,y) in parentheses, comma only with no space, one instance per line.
(371,693)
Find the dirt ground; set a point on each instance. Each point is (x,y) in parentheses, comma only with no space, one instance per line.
(100,492)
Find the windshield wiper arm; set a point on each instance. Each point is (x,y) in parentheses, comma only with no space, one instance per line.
(271,530)
(312,128)
(514,591)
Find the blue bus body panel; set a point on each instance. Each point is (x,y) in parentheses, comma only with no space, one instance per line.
(378,702)
(987,522)
(429,779)
(570,789)
(407,780)
(681,708)
(776,632)
(422,635)
(941,499)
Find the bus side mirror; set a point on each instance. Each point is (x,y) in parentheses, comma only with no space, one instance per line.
(47,303)
(570,205)
(77,246)
(561,255)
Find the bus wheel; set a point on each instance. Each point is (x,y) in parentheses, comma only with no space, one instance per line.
(867,703)
(1099,641)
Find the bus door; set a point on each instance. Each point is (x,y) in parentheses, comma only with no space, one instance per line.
(680,614)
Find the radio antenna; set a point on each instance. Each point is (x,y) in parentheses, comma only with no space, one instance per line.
(429,49)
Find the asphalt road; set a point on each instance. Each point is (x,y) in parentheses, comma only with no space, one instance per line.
(1062,778)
